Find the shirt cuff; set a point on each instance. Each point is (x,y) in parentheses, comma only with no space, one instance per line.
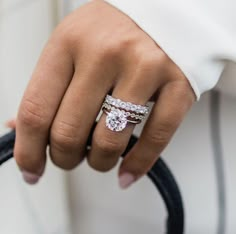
(188,36)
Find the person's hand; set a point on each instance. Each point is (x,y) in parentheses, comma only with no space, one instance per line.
(95,50)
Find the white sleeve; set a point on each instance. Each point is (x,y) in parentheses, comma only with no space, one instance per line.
(198,35)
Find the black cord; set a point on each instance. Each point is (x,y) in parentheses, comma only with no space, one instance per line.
(160,175)
(218,159)
(6,146)
(165,182)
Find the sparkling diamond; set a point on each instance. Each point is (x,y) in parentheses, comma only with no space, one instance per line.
(142,111)
(128,106)
(116,120)
(122,105)
(133,108)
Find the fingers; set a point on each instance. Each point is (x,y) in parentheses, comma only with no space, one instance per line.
(108,145)
(60,104)
(174,101)
(38,108)
(77,113)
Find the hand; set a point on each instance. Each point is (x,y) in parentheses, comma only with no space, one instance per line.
(95,50)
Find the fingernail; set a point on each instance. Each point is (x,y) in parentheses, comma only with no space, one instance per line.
(126,179)
(30,178)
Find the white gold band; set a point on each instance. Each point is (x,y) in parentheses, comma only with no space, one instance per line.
(128,106)
(128,114)
(119,113)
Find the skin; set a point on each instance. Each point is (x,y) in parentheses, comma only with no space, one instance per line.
(95,50)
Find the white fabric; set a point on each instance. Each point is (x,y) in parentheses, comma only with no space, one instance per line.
(198,35)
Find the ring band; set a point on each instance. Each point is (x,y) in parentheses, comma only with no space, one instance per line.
(119,113)
(131,117)
(126,105)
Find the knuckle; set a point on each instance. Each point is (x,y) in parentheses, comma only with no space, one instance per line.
(66,30)
(68,35)
(108,145)
(108,51)
(160,137)
(113,48)
(153,60)
(64,137)
(33,114)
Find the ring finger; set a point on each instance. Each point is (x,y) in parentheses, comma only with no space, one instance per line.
(136,85)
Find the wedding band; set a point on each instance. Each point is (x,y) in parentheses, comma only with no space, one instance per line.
(131,117)
(119,113)
(126,105)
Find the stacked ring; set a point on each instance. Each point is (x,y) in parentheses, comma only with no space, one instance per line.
(119,113)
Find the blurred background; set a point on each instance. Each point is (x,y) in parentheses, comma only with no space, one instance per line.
(87,202)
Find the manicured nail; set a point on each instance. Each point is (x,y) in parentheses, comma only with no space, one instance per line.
(126,179)
(30,178)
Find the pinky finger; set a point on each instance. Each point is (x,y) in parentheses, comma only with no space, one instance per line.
(174,101)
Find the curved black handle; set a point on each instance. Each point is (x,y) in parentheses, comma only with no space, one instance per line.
(165,182)
(160,175)
(6,146)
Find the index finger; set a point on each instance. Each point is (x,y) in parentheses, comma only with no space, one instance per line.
(38,107)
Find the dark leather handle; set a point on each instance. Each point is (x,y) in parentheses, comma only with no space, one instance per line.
(160,175)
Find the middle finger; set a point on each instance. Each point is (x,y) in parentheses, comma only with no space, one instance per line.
(77,113)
